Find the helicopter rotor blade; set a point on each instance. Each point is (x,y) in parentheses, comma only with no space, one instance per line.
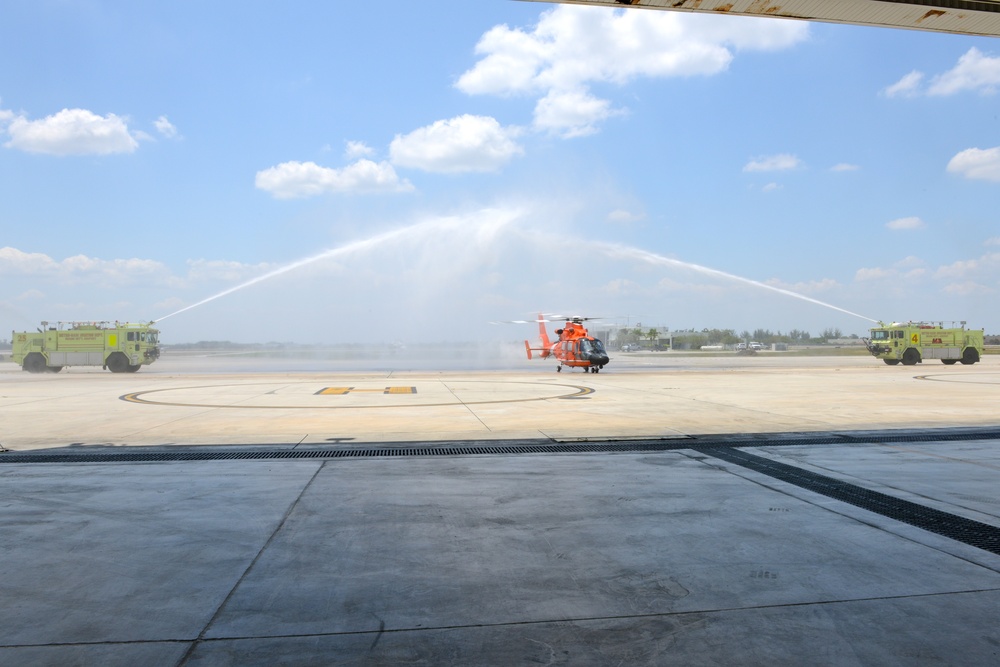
(549,318)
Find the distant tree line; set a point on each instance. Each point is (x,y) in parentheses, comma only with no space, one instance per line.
(655,339)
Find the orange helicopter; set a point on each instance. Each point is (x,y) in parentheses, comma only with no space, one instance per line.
(575,348)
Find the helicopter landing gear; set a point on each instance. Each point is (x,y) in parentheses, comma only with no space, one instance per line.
(559,368)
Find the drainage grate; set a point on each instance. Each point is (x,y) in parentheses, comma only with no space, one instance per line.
(973,533)
(380,452)
(726,441)
(924,437)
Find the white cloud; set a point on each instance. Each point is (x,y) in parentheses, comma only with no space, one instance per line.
(30,295)
(905,224)
(968,268)
(572,48)
(974,72)
(957,269)
(810,287)
(909,262)
(621,216)
(16,262)
(462,144)
(865,274)
(780,162)
(621,287)
(771,187)
(201,271)
(993,241)
(571,113)
(165,127)
(13,260)
(290,180)
(977,163)
(71,132)
(356,149)
(908,86)
(966,288)
(844,166)
(964,277)
(971,276)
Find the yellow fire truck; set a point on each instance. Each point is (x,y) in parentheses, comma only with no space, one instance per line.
(118,347)
(912,342)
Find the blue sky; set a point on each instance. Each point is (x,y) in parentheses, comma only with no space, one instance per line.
(427,167)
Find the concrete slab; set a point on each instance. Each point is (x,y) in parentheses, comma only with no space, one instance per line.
(207,401)
(631,558)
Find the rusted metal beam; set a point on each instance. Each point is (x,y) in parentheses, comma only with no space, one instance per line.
(964,17)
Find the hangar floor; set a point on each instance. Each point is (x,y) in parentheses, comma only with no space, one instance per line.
(668,510)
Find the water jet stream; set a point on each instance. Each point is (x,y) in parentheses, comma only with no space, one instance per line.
(615,250)
(485,234)
(417,230)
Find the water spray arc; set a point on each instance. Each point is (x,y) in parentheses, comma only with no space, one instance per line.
(486,230)
(652,258)
(482,231)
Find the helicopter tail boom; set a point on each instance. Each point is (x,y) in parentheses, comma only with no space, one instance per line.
(546,348)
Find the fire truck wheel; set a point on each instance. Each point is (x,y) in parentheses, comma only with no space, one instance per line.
(34,363)
(911,357)
(133,369)
(970,356)
(949,361)
(891,362)
(117,362)
(54,369)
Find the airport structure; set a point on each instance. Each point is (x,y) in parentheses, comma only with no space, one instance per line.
(967,17)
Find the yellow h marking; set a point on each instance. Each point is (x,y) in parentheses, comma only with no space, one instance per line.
(340,391)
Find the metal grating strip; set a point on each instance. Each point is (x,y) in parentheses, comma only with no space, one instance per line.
(137,454)
(967,531)
(223,455)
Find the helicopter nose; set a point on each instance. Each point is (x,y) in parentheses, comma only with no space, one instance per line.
(599,359)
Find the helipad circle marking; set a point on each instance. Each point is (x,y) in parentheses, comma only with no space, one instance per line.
(138,397)
(960,379)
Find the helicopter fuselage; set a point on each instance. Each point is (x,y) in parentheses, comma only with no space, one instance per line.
(575,347)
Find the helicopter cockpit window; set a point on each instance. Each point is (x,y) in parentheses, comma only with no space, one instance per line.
(599,346)
(585,348)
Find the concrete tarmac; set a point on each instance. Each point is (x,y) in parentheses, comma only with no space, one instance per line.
(669,510)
